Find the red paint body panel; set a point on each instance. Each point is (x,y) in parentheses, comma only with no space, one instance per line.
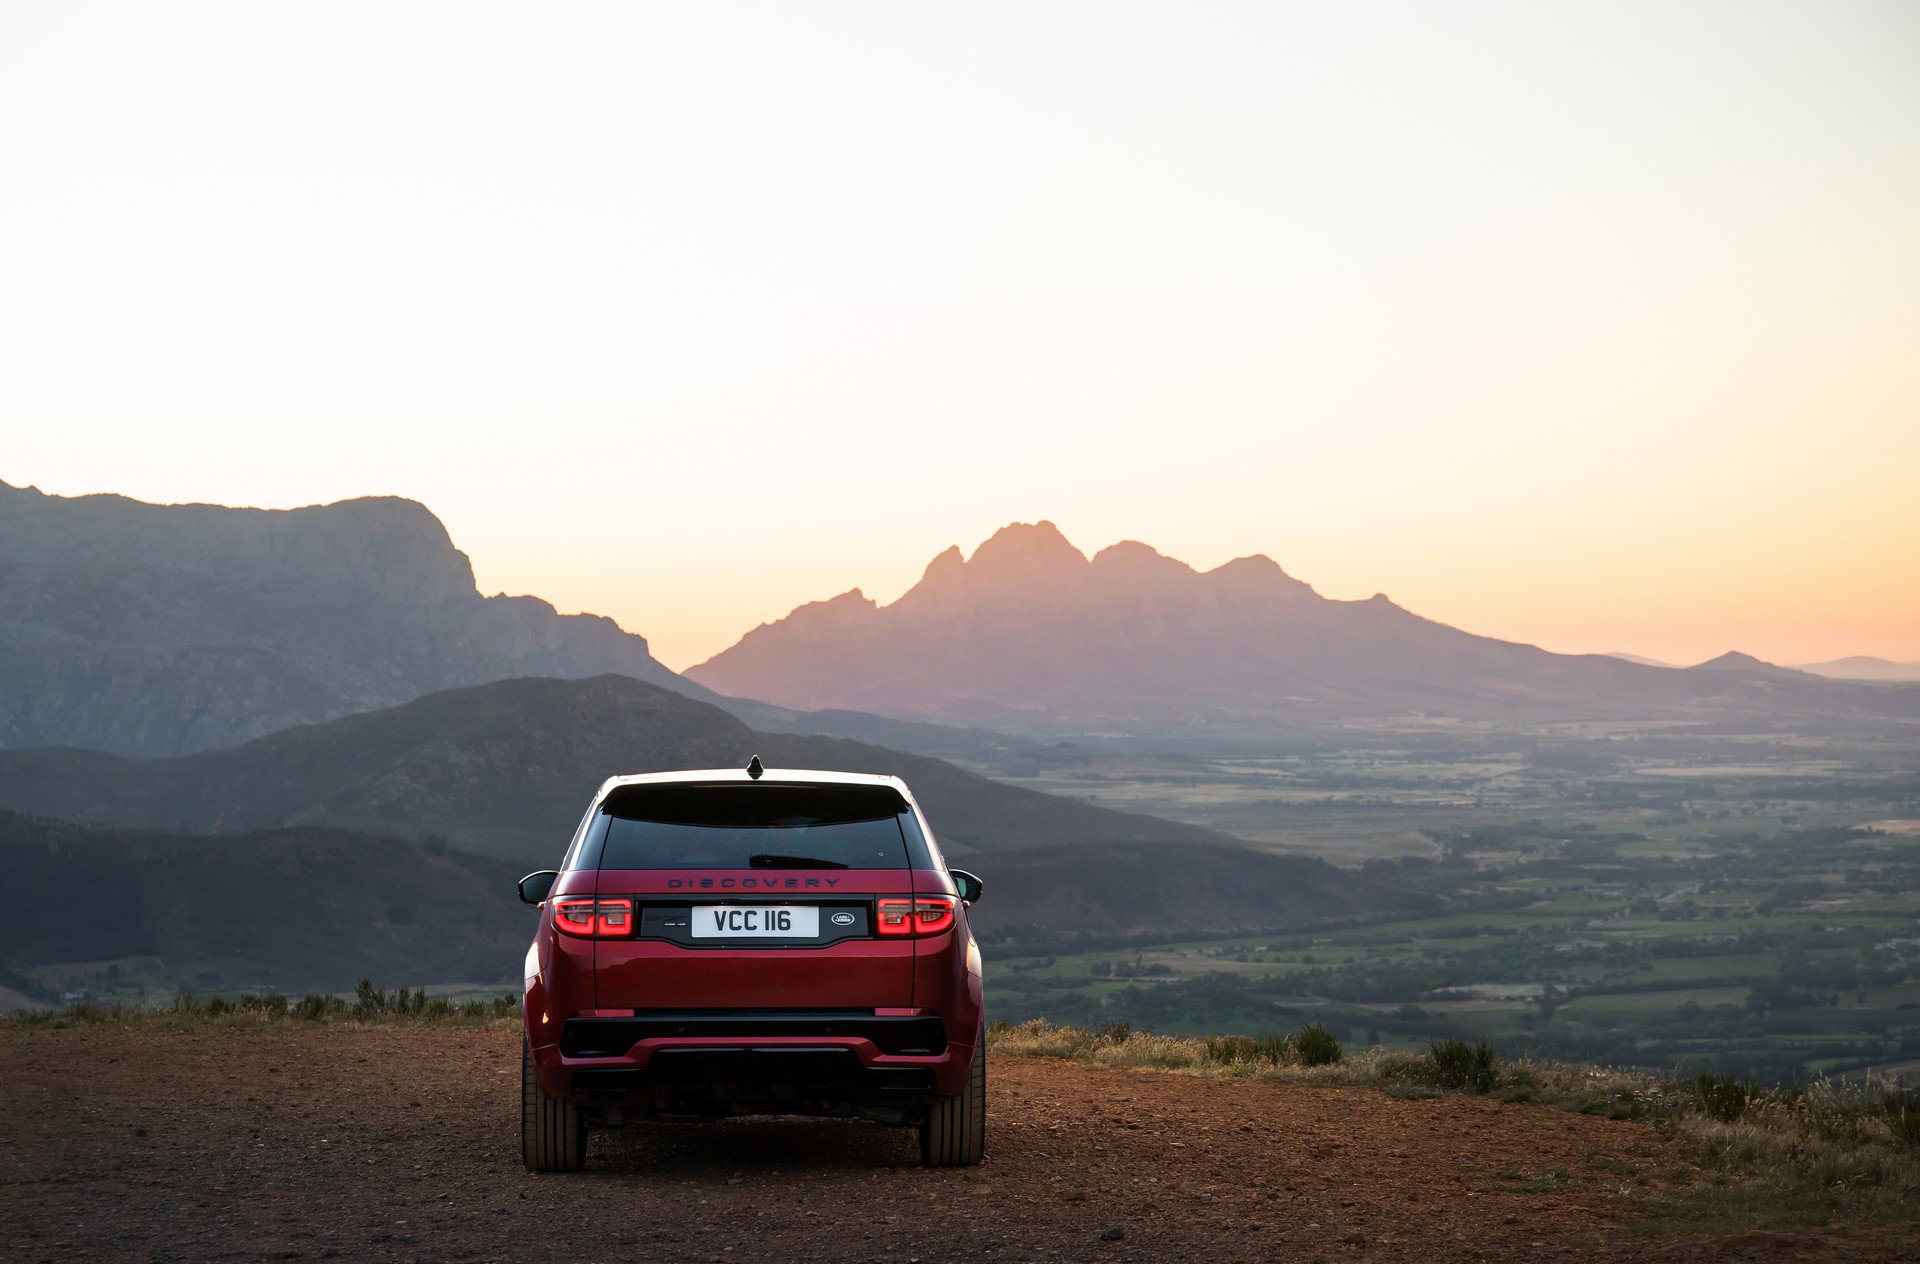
(559,972)
(571,977)
(857,974)
(653,974)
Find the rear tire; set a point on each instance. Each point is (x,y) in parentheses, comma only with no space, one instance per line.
(955,1134)
(552,1138)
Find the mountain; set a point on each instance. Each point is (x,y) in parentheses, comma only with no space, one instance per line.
(161,629)
(386,843)
(165,629)
(1032,635)
(311,908)
(981,747)
(271,910)
(1636,658)
(1735,661)
(505,769)
(1863,667)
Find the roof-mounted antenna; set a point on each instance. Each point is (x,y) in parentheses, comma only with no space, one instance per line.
(755,768)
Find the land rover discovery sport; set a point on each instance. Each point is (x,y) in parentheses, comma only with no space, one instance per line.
(763,941)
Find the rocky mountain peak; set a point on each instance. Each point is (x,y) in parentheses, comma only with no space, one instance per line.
(947,563)
(850,606)
(1030,634)
(1025,548)
(1254,574)
(157,629)
(1734,660)
(1132,560)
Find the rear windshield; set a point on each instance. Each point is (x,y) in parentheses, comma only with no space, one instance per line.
(756,826)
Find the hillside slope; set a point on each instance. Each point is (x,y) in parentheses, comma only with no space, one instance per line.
(1029,633)
(315,908)
(271,910)
(506,769)
(1865,667)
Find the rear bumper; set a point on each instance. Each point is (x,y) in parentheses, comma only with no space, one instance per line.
(747,1060)
(892,1035)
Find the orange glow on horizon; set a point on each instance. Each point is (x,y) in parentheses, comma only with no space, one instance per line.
(1588,326)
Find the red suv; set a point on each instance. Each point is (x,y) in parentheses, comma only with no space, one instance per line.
(757,942)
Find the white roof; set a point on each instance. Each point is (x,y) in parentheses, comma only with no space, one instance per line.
(775,776)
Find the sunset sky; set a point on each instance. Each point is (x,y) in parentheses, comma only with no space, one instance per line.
(1596,326)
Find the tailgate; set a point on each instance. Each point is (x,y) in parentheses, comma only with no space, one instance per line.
(770,939)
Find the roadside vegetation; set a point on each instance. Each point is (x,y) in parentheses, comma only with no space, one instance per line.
(367,1004)
(1760,1155)
(1785,1154)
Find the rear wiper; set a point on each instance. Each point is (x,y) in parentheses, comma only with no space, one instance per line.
(774,860)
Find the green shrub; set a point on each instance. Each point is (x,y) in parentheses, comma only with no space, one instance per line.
(370,1001)
(1314,1045)
(1453,1063)
(318,1006)
(1116,1033)
(315,1007)
(1724,1097)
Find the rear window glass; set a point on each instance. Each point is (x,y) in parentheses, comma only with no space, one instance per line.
(757,826)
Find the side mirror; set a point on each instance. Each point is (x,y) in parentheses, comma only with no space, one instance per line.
(535,887)
(969,886)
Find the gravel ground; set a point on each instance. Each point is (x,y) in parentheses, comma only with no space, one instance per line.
(289,1141)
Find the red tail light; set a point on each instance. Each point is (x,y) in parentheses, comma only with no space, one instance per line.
(924,915)
(590,918)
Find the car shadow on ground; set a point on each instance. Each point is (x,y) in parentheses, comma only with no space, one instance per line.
(750,1147)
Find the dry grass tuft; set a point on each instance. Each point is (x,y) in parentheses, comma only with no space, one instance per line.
(1783,1155)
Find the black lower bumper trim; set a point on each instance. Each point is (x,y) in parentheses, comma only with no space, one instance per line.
(900,1035)
(757,1074)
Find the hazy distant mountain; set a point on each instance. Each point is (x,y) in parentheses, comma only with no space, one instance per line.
(1735,661)
(164,629)
(1862,667)
(1636,658)
(505,769)
(1029,633)
(159,629)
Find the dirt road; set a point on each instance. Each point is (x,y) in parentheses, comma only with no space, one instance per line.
(400,1143)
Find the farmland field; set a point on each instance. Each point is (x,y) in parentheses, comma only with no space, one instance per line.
(1646,896)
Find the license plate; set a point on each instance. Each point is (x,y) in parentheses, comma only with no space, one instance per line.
(755,921)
